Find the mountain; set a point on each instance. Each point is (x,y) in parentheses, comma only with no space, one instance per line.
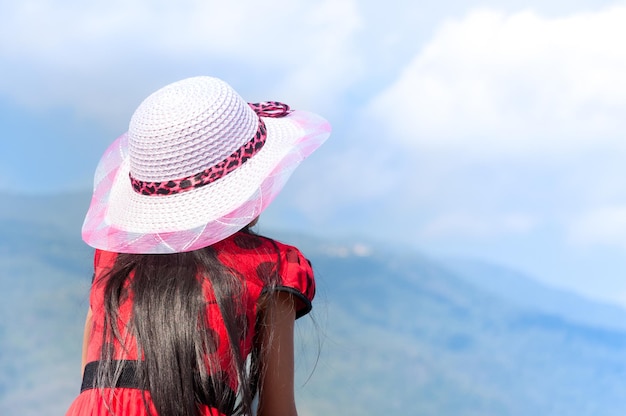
(522,290)
(411,337)
(391,333)
(44,282)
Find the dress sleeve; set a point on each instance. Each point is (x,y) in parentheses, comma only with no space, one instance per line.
(102,262)
(297,278)
(96,261)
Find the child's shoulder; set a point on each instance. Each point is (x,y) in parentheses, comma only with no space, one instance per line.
(254,243)
(246,249)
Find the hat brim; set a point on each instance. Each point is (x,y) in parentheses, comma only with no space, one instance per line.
(124,221)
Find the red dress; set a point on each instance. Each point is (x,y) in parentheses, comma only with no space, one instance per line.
(252,257)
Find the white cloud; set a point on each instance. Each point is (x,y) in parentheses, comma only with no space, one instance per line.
(100,57)
(496,83)
(250,29)
(461,224)
(604,225)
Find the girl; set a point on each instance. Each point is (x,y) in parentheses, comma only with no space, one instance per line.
(190,312)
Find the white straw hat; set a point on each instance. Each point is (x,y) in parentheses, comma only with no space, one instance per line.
(197,164)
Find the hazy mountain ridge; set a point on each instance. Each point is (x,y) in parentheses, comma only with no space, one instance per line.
(44,276)
(475,354)
(401,333)
(522,290)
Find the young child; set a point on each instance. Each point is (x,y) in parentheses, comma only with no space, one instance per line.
(190,312)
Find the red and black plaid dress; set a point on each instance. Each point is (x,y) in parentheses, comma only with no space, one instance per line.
(253,258)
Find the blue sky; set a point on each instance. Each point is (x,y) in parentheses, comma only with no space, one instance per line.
(489,129)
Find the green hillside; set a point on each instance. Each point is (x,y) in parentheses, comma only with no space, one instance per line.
(411,338)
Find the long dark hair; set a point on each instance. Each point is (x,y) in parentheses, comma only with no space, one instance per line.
(169,322)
